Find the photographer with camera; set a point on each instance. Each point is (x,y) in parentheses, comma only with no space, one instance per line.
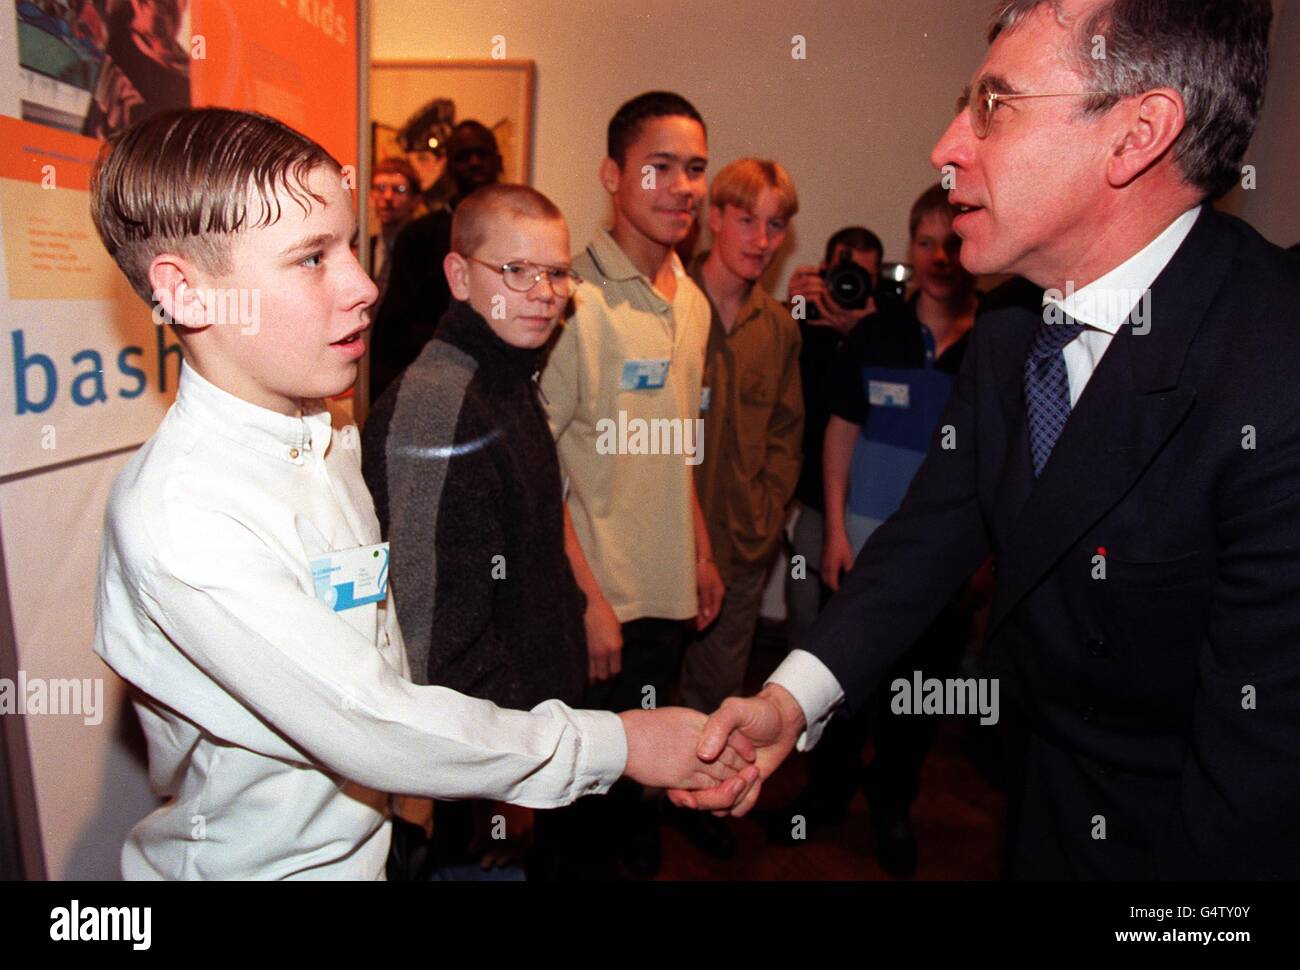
(823,325)
(890,382)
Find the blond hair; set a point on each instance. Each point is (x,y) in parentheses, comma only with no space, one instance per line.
(743,181)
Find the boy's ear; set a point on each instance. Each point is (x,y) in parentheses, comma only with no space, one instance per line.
(456,268)
(176,290)
(610,174)
(715,219)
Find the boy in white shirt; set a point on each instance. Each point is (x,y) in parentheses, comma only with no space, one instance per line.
(241,580)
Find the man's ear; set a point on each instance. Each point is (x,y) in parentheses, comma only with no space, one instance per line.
(456,268)
(1149,127)
(177,290)
(611,174)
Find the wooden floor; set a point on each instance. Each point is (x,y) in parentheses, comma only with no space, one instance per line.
(958,816)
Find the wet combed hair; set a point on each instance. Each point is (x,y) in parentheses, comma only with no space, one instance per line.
(934,199)
(626,124)
(740,183)
(1212,52)
(472,222)
(855,237)
(186,181)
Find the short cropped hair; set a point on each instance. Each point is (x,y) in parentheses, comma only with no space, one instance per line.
(1212,52)
(855,237)
(932,200)
(740,183)
(186,181)
(626,124)
(395,165)
(472,221)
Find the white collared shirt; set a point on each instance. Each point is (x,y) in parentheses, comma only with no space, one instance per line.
(276,726)
(1103,308)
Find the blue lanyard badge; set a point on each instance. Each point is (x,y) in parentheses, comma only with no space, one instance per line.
(352,577)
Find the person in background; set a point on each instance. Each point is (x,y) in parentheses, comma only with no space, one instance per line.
(823,325)
(460,461)
(889,385)
(394,194)
(633,353)
(753,425)
(417,293)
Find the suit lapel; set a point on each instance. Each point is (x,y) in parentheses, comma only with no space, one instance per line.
(1133,403)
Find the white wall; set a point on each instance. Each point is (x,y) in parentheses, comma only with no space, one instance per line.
(854,122)
(1273,206)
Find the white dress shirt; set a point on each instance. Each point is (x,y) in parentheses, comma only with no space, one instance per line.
(276,726)
(1103,306)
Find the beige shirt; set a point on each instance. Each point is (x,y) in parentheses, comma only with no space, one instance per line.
(628,453)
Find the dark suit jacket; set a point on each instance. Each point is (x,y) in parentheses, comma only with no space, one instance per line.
(1164,698)
(416,298)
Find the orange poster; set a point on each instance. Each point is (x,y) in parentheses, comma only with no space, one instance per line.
(83,369)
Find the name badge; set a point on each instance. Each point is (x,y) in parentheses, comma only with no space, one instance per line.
(352,577)
(705,396)
(887,394)
(643,375)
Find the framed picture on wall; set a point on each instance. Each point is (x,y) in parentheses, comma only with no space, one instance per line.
(497,93)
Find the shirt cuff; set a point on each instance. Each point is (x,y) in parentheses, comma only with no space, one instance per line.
(814,688)
(604,751)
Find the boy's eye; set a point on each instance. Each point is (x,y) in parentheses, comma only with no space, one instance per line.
(696,170)
(314,256)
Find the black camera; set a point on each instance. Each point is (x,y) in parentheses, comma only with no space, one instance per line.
(848,284)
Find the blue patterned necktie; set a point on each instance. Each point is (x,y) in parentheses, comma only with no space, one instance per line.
(1047,387)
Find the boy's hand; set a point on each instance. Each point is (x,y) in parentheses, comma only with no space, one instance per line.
(661,753)
(710,591)
(604,640)
(517,822)
(837,558)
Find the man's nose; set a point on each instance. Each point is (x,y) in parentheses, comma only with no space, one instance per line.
(955,145)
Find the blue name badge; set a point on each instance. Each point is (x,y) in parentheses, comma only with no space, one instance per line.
(352,577)
(706,395)
(643,375)
(888,394)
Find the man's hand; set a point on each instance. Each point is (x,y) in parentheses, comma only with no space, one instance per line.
(710,590)
(604,640)
(837,558)
(771,721)
(806,281)
(661,753)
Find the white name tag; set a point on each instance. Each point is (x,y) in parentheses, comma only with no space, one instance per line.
(705,397)
(643,375)
(352,577)
(888,395)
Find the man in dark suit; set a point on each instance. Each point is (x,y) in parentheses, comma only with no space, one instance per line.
(1130,458)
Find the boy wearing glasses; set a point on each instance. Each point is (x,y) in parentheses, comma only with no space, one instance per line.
(466,484)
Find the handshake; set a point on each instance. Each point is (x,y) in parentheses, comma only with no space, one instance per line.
(718,763)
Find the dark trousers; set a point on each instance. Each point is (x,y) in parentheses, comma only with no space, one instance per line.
(902,740)
(582,841)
